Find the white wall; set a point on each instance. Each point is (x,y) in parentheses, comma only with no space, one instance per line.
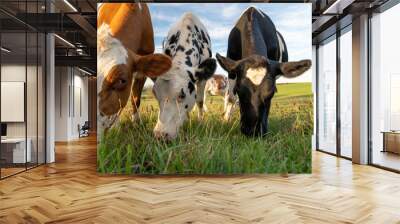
(70,83)
(314,90)
(33,127)
(62,81)
(12,73)
(79,117)
(15,73)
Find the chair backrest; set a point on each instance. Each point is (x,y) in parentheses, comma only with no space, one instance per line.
(86,125)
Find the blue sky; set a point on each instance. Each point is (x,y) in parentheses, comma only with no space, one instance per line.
(292,20)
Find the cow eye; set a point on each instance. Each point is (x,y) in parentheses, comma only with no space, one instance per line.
(120,84)
(181,95)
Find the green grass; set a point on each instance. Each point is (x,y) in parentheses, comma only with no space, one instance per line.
(213,146)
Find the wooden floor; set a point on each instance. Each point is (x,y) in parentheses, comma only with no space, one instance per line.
(70,191)
(5,172)
(387,159)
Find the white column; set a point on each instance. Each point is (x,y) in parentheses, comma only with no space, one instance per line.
(360,90)
(50,110)
(314,90)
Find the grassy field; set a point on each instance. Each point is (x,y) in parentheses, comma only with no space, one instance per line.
(213,146)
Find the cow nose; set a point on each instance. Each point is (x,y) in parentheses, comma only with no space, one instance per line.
(248,131)
(159,135)
(222,86)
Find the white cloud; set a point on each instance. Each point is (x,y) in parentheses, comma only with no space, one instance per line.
(231,11)
(306,77)
(167,4)
(163,17)
(300,54)
(218,30)
(219,33)
(161,31)
(158,49)
(221,71)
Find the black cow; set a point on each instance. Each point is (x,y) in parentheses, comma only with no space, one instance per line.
(256,57)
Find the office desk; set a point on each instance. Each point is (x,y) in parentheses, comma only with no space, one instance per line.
(391,141)
(13,150)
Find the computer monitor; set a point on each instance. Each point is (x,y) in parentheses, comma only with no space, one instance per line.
(3,129)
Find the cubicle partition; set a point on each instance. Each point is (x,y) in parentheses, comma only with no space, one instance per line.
(22,89)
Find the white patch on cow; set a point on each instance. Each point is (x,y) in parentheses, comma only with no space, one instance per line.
(281,46)
(261,13)
(110,51)
(256,75)
(140,6)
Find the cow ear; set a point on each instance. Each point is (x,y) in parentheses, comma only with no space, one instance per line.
(206,69)
(294,69)
(226,63)
(153,65)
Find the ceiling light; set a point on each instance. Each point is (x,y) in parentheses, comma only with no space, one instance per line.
(84,71)
(338,6)
(64,40)
(5,50)
(80,51)
(70,5)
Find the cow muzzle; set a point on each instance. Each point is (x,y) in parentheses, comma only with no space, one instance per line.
(164,136)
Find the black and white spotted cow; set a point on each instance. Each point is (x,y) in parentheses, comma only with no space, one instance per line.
(256,57)
(177,91)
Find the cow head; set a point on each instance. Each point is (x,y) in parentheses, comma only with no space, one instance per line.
(256,85)
(117,66)
(217,84)
(176,95)
(117,82)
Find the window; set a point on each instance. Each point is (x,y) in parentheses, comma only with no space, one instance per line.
(385,89)
(327,96)
(346,75)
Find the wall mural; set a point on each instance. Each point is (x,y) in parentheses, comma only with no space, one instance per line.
(204,88)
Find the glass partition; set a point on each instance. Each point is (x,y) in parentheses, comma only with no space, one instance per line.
(327,96)
(385,89)
(346,93)
(15,150)
(22,101)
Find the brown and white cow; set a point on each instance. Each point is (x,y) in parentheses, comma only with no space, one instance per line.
(125,47)
(217,85)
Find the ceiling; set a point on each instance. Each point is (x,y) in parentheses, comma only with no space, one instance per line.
(332,15)
(74,21)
